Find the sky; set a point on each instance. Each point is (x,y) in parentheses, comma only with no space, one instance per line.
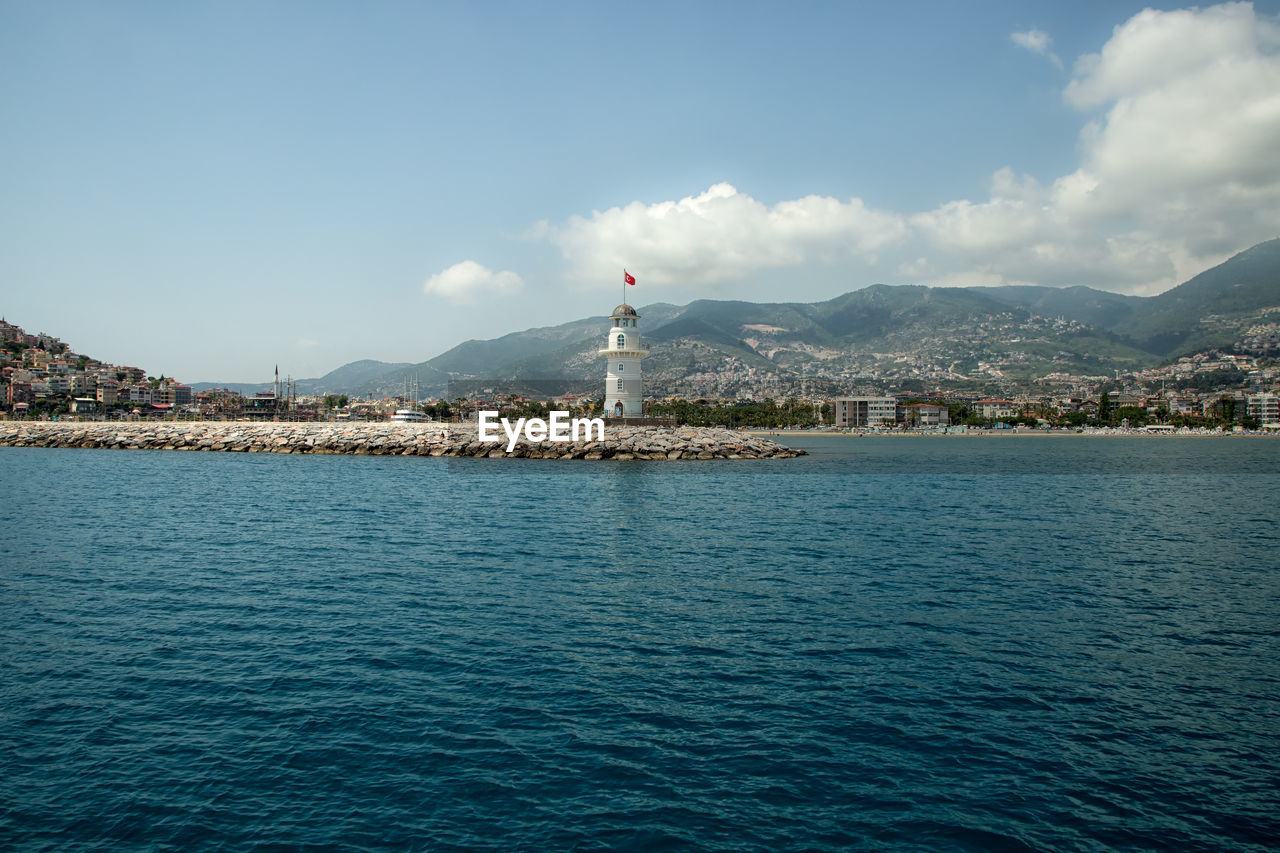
(208,190)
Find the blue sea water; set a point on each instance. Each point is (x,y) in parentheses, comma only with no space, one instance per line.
(893,643)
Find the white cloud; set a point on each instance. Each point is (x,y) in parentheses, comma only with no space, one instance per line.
(1194,117)
(1154,48)
(1181,167)
(1012,217)
(716,236)
(1036,41)
(463,282)
(915,271)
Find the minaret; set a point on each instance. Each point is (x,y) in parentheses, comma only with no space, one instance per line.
(623,384)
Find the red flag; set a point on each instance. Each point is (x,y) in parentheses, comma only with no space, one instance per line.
(628,277)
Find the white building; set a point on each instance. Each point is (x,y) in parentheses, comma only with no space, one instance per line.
(865,411)
(1266,408)
(623,384)
(926,415)
(995,408)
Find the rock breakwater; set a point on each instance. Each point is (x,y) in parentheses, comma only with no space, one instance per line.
(388,439)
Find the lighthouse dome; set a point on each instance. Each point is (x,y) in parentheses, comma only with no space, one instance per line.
(624,310)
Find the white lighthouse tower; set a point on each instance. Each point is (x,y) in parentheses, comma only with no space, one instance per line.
(623,384)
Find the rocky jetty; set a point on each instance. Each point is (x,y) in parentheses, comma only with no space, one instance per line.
(388,439)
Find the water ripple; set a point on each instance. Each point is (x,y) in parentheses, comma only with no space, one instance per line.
(874,648)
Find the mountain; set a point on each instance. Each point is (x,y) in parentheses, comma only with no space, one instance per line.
(1099,308)
(1208,311)
(981,336)
(481,358)
(902,332)
(1212,309)
(366,372)
(358,372)
(364,378)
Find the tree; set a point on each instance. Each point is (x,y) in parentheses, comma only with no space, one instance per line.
(1222,377)
(1224,410)
(1104,408)
(1135,415)
(1073,419)
(766,414)
(957,413)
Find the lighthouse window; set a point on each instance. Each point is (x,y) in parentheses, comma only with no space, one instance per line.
(620,367)
(619,383)
(622,341)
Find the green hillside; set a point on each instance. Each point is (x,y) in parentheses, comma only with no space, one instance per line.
(1210,309)
(1082,304)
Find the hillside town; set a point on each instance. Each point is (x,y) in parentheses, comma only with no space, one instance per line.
(45,379)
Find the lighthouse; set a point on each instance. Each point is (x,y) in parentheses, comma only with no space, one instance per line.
(623,384)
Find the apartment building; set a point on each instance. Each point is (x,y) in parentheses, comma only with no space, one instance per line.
(926,415)
(83,384)
(108,393)
(865,411)
(1265,408)
(995,408)
(171,394)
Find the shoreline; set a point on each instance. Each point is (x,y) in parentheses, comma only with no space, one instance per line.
(1011,433)
(381,438)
